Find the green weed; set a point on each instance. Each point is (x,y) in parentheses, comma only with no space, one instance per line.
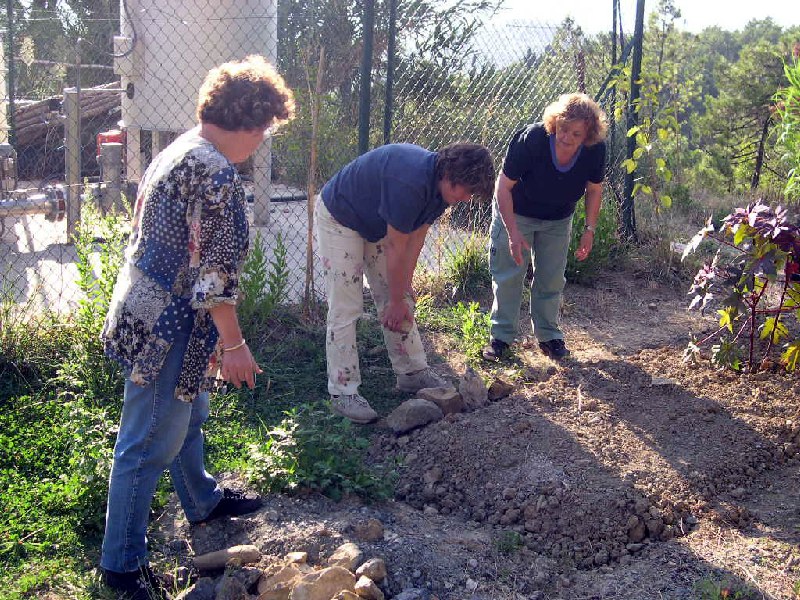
(465,322)
(712,589)
(508,542)
(314,450)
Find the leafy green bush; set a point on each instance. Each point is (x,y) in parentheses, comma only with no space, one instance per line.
(760,289)
(314,450)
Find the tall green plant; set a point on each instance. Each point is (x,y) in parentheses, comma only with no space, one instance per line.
(787,103)
(264,282)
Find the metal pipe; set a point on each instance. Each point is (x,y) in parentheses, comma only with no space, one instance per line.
(111,169)
(51,205)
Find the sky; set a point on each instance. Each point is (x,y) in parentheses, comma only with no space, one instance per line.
(594,16)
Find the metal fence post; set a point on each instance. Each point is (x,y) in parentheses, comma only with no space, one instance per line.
(72,158)
(390,60)
(11,73)
(368,22)
(627,208)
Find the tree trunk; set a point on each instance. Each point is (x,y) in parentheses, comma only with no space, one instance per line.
(760,156)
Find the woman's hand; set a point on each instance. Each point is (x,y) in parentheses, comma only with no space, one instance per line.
(397,317)
(517,245)
(585,245)
(239,366)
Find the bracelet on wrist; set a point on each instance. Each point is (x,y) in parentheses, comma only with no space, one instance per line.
(235,346)
(590,228)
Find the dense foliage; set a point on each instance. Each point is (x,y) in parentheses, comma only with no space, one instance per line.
(757,282)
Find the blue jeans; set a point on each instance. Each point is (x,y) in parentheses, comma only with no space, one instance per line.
(156,432)
(549,241)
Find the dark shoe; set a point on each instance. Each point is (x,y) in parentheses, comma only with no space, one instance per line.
(233,504)
(136,585)
(555,349)
(494,350)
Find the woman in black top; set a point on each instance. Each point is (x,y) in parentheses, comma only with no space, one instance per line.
(548,167)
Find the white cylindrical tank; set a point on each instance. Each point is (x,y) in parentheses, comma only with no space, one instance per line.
(165,50)
(170,45)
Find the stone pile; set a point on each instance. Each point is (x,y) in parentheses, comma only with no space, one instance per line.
(434,404)
(346,575)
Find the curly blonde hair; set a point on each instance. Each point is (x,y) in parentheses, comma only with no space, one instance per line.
(577,107)
(244,95)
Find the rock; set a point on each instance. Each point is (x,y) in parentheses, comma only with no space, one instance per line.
(217,560)
(601,558)
(473,390)
(324,584)
(447,399)
(432,475)
(412,414)
(471,585)
(637,533)
(499,389)
(374,568)
(344,595)
(282,580)
(370,530)
(300,558)
(661,381)
(413,594)
(347,556)
(366,588)
(230,588)
(248,576)
(204,589)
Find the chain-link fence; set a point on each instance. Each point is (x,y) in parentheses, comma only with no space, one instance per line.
(98,88)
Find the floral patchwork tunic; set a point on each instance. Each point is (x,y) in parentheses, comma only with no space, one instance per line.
(188,243)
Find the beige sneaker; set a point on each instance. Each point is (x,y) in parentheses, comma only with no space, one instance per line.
(353,407)
(414,382)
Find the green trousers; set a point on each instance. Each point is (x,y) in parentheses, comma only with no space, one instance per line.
(549,241)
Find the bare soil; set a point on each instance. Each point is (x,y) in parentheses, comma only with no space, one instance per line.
(621,472)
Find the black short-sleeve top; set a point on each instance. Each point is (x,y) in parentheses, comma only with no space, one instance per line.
(545,190)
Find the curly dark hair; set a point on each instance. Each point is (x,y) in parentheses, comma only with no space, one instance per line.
(469,165)
(244,95)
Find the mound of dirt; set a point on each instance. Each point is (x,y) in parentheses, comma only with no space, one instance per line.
(620,473)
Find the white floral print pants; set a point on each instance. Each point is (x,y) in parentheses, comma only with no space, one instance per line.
(346,258)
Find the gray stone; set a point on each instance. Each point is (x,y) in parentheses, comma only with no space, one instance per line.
(412,414)
(414,594)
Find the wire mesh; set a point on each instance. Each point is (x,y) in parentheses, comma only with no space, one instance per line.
(98,88)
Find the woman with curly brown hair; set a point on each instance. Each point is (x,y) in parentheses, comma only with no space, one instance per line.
(548,167)
(173,314)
